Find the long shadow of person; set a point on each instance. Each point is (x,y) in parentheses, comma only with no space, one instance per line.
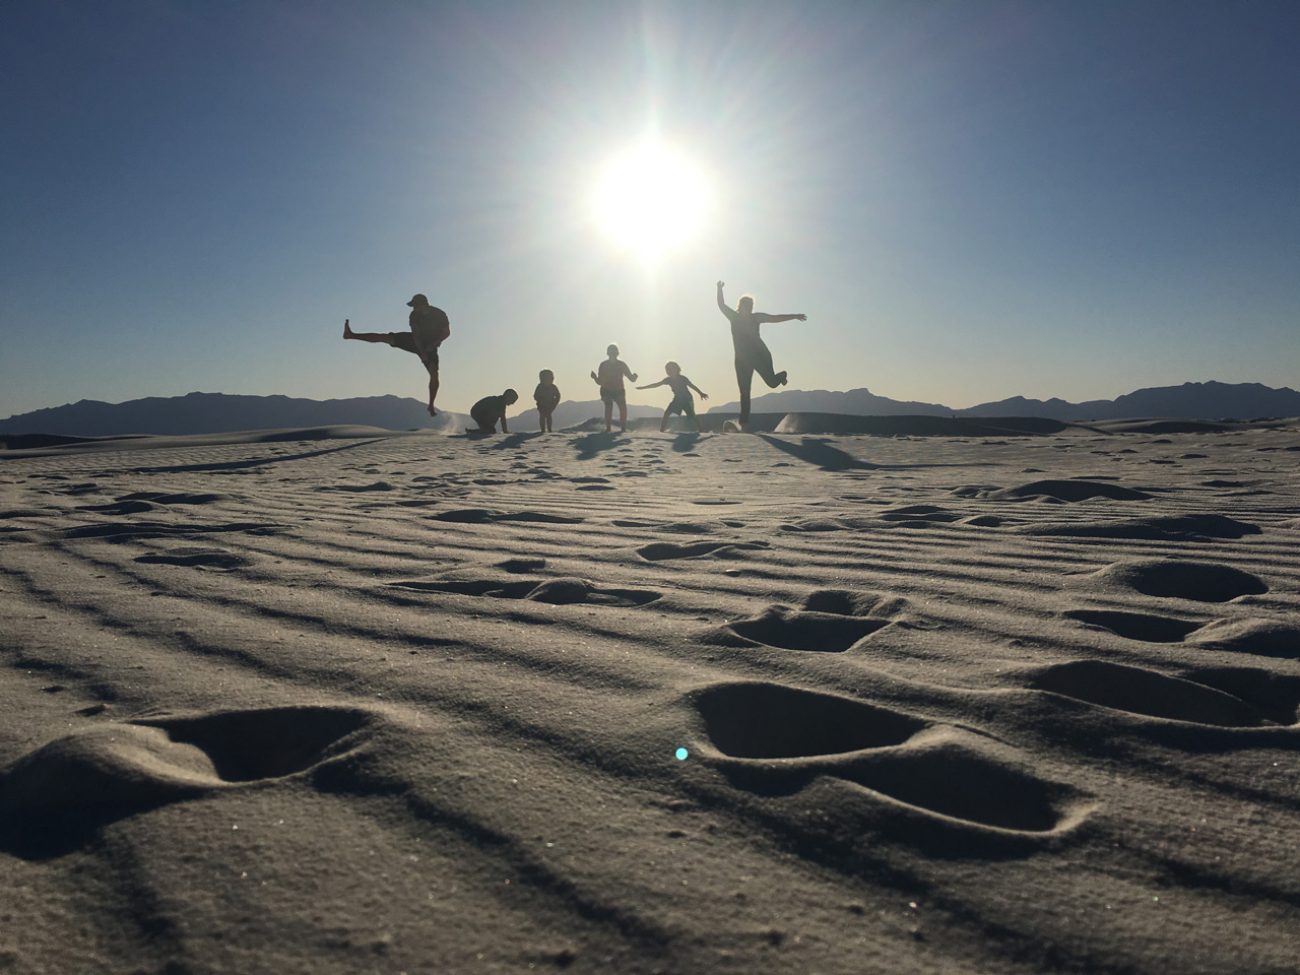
(593,443)
(517,439)
(820,453)
(685,441)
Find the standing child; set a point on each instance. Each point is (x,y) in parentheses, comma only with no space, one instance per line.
(682,401)
(490,410)
(547,398)
(609,376)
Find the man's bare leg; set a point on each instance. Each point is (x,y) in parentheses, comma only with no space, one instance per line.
(609,415)
(433,392)
(622,416)
(381,337)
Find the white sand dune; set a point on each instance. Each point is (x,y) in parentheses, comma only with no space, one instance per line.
(352,701)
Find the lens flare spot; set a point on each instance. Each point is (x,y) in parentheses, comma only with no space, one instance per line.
(651,199)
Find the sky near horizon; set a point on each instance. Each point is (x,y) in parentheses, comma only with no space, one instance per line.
(969,201)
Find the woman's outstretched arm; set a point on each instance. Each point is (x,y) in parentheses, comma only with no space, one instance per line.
(722,305)
(652,385)
(767,319)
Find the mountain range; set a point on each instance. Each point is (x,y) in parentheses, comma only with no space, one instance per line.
(219,412)
(1190,401)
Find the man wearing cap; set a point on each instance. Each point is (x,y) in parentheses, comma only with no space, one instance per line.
(429,329)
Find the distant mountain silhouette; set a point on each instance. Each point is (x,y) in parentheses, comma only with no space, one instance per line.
(1192,401)
(221,413)
(855,402)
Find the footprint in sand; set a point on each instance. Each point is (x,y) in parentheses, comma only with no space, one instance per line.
(126,767)
(1179,528)
(1068,491)
(852,602)
(778,740)
(130,531)
(919,515)
(762,720)
(831,621)
(1139,691)
(1274,696)
(1136,626)
(119,507)
(169,498)
(1200,581)
(558,592)
(823,524)
(679,527)
(480,516)
(1265,638)
(984,521)
(521,565)
(667,551)
(212,559)
(786,629)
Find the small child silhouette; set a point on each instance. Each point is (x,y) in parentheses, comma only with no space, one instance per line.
(491,409)
(609,376)
(682,401)
(547,398)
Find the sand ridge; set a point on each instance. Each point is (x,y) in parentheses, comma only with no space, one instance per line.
(415,703)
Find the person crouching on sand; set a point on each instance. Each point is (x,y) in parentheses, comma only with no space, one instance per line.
(429,328)
(609,376)
(547,398)
(682,401)
(490,410)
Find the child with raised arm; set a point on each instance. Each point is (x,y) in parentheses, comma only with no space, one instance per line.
(490,410)
(547,398)
(682,401)
(609,377)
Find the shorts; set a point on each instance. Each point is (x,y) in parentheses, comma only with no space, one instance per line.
(684,405)
(484,420)
(406,342)
(618,396)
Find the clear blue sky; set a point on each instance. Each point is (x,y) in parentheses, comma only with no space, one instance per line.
(969,200)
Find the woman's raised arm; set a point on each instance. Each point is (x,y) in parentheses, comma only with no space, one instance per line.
(722,305)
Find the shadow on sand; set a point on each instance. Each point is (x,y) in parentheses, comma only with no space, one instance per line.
(236,465)
(592,444)
(820,453)
(685,441)
(516,440)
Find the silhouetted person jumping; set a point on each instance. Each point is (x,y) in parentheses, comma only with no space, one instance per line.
(429,329)
(491,410)
(752,354)
(682,402)
(609,376)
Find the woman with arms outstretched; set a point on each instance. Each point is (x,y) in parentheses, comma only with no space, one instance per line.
(752,354)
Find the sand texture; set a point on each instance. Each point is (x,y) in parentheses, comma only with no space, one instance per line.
(352,701)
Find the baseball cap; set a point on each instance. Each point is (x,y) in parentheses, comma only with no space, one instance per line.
(418,300)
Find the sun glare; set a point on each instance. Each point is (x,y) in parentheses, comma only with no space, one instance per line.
(651,199)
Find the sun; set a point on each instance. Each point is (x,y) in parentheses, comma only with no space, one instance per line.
(651,199)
